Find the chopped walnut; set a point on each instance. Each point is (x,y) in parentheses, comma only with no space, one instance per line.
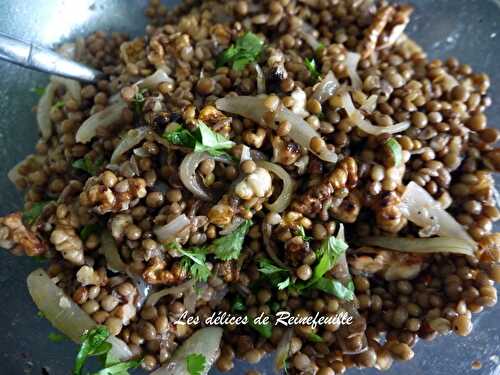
(118,224)
(349,208)
(257,184)
(103,197)
(285,153)
(19,239)
(388,214)
(372,34)
(87,276)
(66,241)
(220,214)
(155,273)
(228,270)
(344,176)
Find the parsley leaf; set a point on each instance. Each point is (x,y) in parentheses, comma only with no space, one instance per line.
(265,330)
(30,216)
(321,47)
(313,69)
(89,229)
(59,104)
(246,50)
(229,246)
(301,233)
(336,288)
(195,263)
(328,253)
(138,101)
(239,304)
(201,139)
(86,164)
(56,337)
(277,276)
(38,90)
(195,363)
(395,150)
(94,344)
(313,337)
(40,314)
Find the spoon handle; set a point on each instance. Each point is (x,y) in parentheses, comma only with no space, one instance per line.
(45,60)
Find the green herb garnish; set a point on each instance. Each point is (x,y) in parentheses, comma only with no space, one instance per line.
(201,139)
(40,314)
(138,102)
(321,47)
(396,151)
(59,104)
(239,304)
(265,330)
(88,165)
(302,233)
(328,254)
(229,246)
(279,277)
(38,90)
(195,363)
(94,344)
(30,216)
(313,69)
(336,288)
(89,229)
(56,337)
(194,262)
(246,50)
(313,337)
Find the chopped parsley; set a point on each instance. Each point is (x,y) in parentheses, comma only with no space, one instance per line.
(336,288)
(194,262)
(59,104)
(195,363)
(320,47)
(302,233)
(395,150)
(32,214)
(138,102)
(313,69)
(314,337)
(239,304)
(246,50)
(279,277)
(328,254)
(88,165)
(229,246)
(89,229)
(201,139)
(94,344)
(38,90)
(265,330)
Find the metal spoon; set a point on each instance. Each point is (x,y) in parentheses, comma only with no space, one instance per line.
(45,60)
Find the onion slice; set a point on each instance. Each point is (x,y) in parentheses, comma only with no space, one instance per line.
(358,119)
(110,251)
(43,111)
(73,88)
(205,341)
(351,62)
(283,350)
(170,230)
(421,245)
(253,108)
(104,118)
(261,81)
(131,139)
(181,288)
(153,81)
(285,197)
(423,210)
(326,87)
(66,315)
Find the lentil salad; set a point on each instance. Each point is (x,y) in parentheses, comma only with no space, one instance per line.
(377,209)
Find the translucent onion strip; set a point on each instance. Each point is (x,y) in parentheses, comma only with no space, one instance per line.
(170,230)
(351,62)
(326,87)
(421,245)
(66,315)
(175,290)
(104,118)
(285,197)
(43,111)
(129,141)
(254,109)
(423,210)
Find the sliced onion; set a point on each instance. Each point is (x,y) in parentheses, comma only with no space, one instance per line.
(43,111)
(175,290)
(424,211)
(169,231)
(302,133)
(307,34)
(253,108)
(285,197)
(66,315)
(143,288)
(358,119)
(351,62)
(190,301)
(131,139)
(205,341)
(73,88)
(446,80)
(245,154)
(421,245)
(153,81)
(299,102)
(283,350)
(110,251)
(104,118)
(189,177)
(326,87)
(370,104)
(235,223)
(261,81)
(270,246)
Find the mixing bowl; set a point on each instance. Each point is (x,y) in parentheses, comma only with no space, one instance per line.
(466,29)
